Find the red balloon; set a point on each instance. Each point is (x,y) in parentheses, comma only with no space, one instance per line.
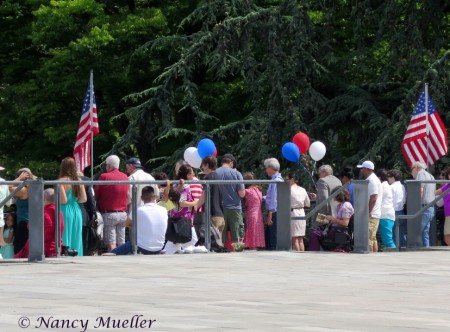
(215,152)
(302,141)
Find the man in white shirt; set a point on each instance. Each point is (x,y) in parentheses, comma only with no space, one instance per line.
(399,200)
(375,197)
(151,226)
(136,173)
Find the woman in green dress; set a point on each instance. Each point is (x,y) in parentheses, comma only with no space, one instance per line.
(73,223)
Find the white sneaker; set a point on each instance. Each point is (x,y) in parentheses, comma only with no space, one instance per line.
(188,250)
(200,250)
(179,251)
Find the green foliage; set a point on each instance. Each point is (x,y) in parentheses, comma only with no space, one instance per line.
(247,74)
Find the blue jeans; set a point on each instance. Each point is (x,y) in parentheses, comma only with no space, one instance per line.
(403,226)
(425,221)
(386,227)
(127,248)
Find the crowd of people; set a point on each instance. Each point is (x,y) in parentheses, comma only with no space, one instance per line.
(104,211)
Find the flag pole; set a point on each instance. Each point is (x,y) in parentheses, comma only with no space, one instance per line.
(426,121)
(91,120)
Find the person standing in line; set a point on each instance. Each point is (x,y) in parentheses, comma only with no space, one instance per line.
(21,199)
(387,218)
(209,167)
(375,192)
(89,216)
(231,200)
(325,185)
(49,225)
(427,195)
(4,192)
(272,167)
(71,210)
(136,173)
(446,200)
(254,233)
(394,177)
(299,200)
(112,203)
(7,249)
(196,190)
(346,176)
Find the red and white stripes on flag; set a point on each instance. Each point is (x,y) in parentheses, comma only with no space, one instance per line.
(421,143)
(88,124)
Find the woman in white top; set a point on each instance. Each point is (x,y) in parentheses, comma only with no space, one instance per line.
(399,200)
(387,219)
(299,200)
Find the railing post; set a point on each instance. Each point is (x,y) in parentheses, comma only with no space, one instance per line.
(361,217)
(57,226)
(283,216)
(414,204)
(133,234)
(36,223)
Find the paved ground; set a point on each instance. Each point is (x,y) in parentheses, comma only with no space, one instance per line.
(249,291)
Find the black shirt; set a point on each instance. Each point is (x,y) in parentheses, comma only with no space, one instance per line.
(216,195)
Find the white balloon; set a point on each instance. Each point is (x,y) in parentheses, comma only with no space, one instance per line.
(192,157)
(317,151)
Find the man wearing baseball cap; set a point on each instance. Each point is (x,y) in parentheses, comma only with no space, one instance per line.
(375,197)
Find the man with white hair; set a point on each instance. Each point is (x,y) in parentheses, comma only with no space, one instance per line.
(325,185)
(272,167)
(427,195)
(112,203)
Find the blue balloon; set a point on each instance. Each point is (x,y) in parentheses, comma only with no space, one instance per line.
(206,148)
(291,152)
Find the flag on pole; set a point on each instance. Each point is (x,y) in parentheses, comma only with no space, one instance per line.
(87,128)
(426,136)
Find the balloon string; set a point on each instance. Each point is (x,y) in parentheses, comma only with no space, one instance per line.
(310,174)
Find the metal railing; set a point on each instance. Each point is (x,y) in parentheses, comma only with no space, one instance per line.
(415,209)
(36,209)
(361,202)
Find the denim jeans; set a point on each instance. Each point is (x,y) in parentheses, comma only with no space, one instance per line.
(425,221)
(127,248)
(403,226)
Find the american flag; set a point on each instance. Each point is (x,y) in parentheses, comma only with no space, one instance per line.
(82,150)
(420,143)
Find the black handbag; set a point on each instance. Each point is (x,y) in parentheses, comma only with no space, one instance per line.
(179,230)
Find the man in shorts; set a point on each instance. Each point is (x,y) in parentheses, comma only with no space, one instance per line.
(231,199)
(375,198)
(112,203)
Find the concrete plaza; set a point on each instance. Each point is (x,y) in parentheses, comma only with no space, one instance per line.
(249,291)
